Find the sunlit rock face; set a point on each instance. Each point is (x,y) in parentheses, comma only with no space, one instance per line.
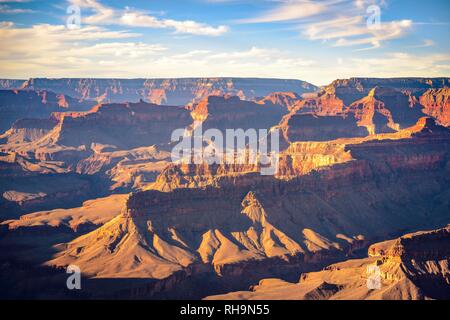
(285,100)
(436,103)
(27,130)
(350,90)
(412,267)
(361,106)
(124,125)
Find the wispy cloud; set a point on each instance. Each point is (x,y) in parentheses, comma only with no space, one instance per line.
(105,15)
(96,51)
(24,48)
(352,31)
(290,10)
(6,9)
(336,22)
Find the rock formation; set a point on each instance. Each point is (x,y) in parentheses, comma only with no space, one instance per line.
(161,91)
(361,161)
(295,221)
(18,104)
(412,267)
(436,103)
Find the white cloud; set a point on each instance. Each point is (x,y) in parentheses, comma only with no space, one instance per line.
(55,51)
(104,15)
(353,31)
(96,52)
(290,10)
(6,24)
(337,22)
(46,48)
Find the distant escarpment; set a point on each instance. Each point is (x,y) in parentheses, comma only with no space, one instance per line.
(171,91)
(11,84)
(18,104)
(358,107)
(125,125)
(349,90)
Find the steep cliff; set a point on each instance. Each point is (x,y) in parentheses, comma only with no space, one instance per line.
(230,112)
(123,125)
(353,89)
(436,103)
(358,107)
(18,104)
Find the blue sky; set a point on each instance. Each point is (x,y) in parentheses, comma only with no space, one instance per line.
(316,41)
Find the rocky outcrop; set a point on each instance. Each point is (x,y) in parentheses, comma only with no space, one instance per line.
(350,108)
(27,130)
(18,104)
(386,110)
(309,127)
(112,141)
(285,100)
(350,90)
(436,103)
(412,267)
(91,214)
(125,125)
(230,112)
(126,169)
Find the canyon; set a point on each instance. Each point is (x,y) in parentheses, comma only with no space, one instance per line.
(91,182)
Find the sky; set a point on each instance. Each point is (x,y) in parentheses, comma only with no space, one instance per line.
(316,41)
